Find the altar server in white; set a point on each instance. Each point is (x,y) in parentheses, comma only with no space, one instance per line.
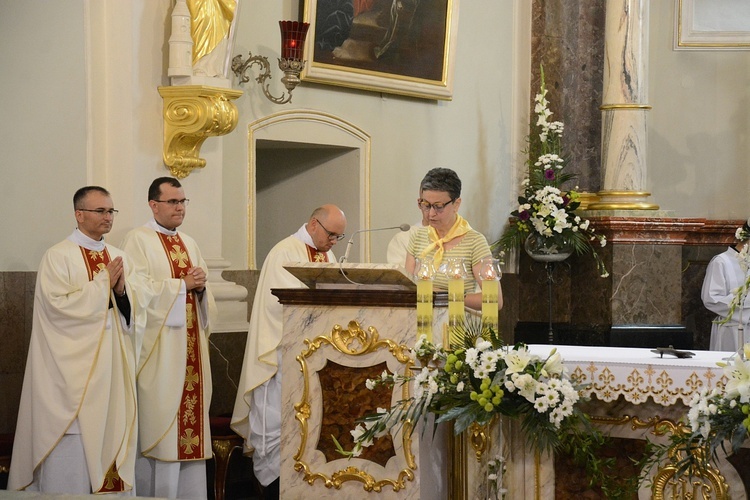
(723,276)
(174,374)
(257,409)
(77,422)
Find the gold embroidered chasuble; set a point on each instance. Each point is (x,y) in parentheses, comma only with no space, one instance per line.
(174,374)
(80,370)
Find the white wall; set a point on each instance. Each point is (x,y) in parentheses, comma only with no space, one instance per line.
(470,134)
(698,145)
(42,132)
(80,105)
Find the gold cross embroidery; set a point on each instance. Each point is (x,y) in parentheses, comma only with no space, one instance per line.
(319,257)
(188,441)
(94,255)
(191,378)
(178,256)
(110,477)
(190,315)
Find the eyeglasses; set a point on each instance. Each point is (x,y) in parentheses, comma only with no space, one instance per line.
(101,211)
(184,202)
(426,207)
(331,236)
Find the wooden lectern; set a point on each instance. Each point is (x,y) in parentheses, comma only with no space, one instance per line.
(352,323)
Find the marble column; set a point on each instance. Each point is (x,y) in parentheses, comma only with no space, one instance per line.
(624,108)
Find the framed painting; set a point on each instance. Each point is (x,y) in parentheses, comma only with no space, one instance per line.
(712,24)
(402,47)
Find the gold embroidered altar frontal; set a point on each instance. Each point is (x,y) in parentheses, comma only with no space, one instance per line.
(639,374)
(638,395)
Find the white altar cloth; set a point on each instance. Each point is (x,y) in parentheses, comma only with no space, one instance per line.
(638,374)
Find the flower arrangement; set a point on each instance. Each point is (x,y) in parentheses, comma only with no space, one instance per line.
(716,418)
(720,416)
(480,379)
(474,384)
(546,209)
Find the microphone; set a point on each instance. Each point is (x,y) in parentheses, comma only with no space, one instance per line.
(402,227)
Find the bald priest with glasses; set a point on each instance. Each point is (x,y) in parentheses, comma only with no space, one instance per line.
(257,409)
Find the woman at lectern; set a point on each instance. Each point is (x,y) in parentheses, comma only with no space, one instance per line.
(448,235)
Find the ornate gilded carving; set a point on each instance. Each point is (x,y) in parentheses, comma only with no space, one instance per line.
(705,482)
(708,483)
(479,439)
(193,113)
(353,341)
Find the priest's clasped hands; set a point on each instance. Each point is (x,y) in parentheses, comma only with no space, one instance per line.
(195,279)
(117,276)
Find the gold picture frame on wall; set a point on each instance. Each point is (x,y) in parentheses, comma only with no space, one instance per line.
(712,25)
(404,47)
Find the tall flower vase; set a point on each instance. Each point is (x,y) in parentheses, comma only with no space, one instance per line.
(549,251)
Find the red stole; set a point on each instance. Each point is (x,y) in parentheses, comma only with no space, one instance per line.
(190,424)
(314,255)
(96,262)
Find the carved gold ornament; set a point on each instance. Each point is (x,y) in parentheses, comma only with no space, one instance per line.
(353,341)
(193,113)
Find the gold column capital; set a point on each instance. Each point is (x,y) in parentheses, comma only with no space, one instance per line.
(191,114)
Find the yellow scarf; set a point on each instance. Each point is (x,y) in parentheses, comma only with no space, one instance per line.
(460,228)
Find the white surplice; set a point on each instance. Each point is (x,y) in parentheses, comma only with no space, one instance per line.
(723,276)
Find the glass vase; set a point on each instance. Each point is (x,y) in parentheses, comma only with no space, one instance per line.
(548,249)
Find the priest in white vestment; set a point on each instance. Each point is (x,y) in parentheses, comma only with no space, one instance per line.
(77,421)
(257,409)
(723,276)
(174,374)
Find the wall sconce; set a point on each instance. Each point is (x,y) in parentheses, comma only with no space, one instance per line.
(293,35)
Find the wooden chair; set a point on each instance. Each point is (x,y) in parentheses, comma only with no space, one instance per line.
(6,450)
(223,442)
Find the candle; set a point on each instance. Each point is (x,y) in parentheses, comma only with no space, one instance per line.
(455,305)
(490,290)
(424,272)
(293,34)
(489,273)
(456,272)
(424,308)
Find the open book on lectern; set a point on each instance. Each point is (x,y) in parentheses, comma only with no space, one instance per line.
(351,275)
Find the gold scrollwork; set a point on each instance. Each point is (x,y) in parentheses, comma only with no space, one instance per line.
(192,113)
(708,483)
(479,439)
(342,341)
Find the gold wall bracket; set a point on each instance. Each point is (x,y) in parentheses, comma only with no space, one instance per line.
(193,113)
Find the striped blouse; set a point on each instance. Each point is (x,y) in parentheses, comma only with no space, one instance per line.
(472,248)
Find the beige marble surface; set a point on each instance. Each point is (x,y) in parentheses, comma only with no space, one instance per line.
(308,337)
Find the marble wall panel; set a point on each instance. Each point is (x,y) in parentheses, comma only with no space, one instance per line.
(568,40)
(647,286)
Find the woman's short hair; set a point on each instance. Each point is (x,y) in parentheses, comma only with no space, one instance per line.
(442,179)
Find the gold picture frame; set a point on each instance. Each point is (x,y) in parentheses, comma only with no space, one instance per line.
(404,47)
(712,25)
